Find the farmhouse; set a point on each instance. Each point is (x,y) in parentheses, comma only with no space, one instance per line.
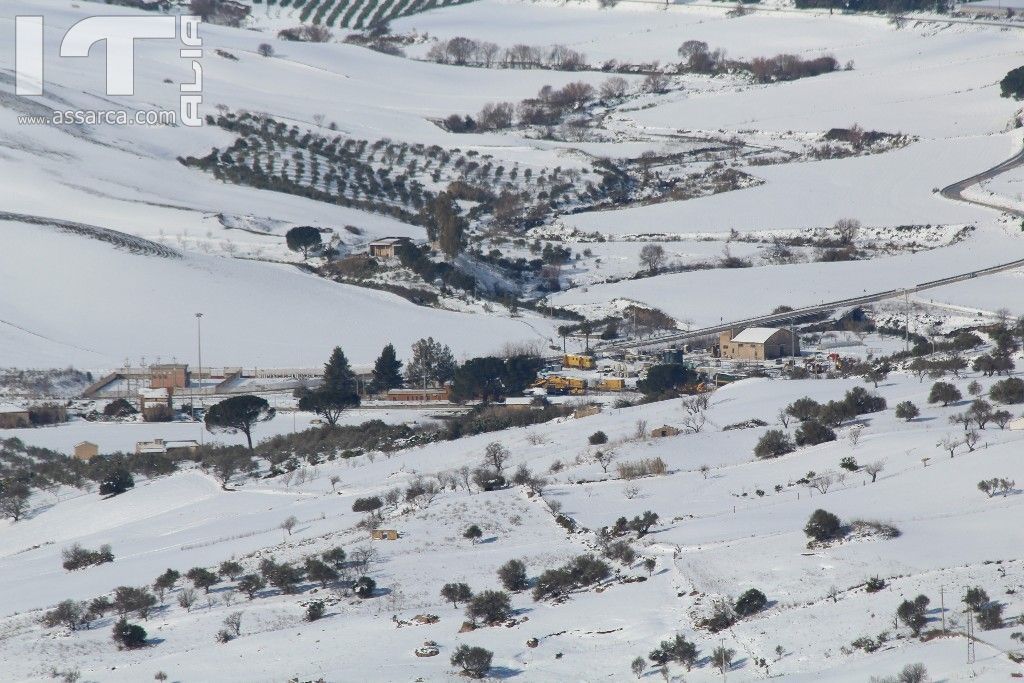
(384,535)
(758,343)
(13,417)
(386,247)
(86,451)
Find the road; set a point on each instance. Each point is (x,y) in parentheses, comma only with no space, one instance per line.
(954,192)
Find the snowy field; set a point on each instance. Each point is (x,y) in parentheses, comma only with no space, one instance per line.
(184,242)
(715,538)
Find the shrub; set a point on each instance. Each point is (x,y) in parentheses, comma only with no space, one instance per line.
(772,444)
(490,607)
(475,662)
(314,610)
(803,408)
(975,597)
(874,584)
(861,401)
(117,481)
(944,393)
(906,410)
(913,613)
(581,571)
(202,578)
(70,613)
(635,469)
(456,593)
(119,408)
(131,599)
(722,617)
(1012,84)
(128,636)
(750,602)
(367,504)
(364,587)
(76,557)
(823,526)
(1010,390)
(473,533)
(621,551)
(679,649)
(990,616)
(512,576)
(598,438)
(812,432)
(251,584)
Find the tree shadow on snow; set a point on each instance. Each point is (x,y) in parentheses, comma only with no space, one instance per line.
(503,672)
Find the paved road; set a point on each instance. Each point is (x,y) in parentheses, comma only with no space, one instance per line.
(954,191)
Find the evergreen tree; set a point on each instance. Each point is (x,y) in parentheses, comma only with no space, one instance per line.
(338,391)
(432,363)
(238,413)
(387,371)
(338,375)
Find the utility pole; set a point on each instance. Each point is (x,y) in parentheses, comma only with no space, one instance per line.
(906,304)
(942,602)
(970,637)
(199,346)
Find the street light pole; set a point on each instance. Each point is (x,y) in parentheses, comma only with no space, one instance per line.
(199,346)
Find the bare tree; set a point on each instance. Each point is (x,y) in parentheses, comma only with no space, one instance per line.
(604,458)
(704,470)
(289,524)
(847,229)
(641,429)
(874,469)
(495,456)
(784,417)
(335,480)
(187,598)
(950,444)
(614,88)
(695,422)
(652,256)
(824,481)
(234,622)
(971,439)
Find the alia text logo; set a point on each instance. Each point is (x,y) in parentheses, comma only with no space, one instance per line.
(119,34)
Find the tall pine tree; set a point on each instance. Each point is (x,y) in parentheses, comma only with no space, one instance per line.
(338,375)
(338,392)
(387,371)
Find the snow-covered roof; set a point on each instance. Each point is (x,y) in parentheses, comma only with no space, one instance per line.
(1017,424)
(388,241)
(153,393)
(755,335)
(11,408)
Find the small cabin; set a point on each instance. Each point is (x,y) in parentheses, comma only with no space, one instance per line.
(384,535)
(663,431)
(86,451)
(386,247)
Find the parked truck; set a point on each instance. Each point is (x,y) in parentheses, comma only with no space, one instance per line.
(557,384)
